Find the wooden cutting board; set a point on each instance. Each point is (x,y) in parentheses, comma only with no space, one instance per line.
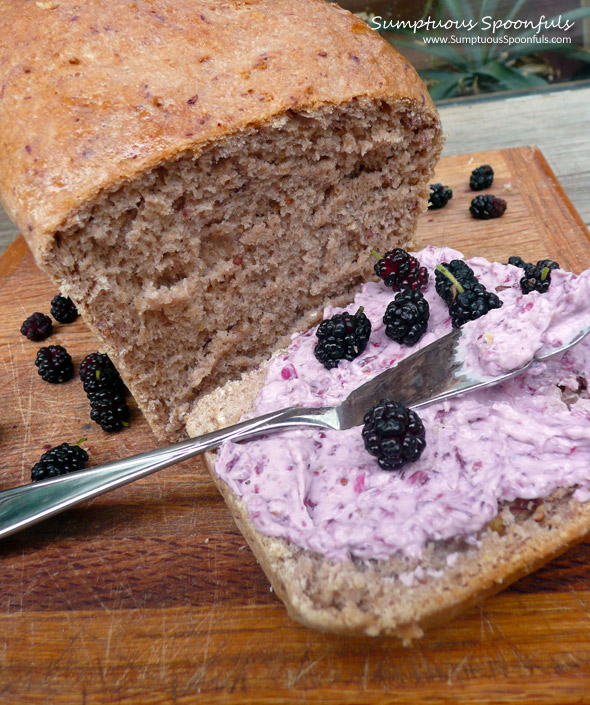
(149,594)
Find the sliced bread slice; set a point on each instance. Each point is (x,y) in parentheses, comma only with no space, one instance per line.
(396,597)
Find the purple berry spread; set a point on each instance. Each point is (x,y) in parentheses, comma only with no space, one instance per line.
(523,438)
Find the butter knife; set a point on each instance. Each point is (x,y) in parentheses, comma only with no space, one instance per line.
(431,374)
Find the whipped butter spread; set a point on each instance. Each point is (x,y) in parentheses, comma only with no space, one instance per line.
(537,324)
(524,438)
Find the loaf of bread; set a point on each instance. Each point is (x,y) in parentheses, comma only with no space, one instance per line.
(202,177)
(502,487)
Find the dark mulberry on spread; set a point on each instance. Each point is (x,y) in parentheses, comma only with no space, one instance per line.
(517,261)
(342,337)
(400,270)
(487,207)
(481,178)
(465,296)
(55,364)
(394,434)
(549,263)
(406,317)
(109,409)
(444,285)
(98,372)
(63,309)
(60,460)
(537,277)
(471,303)
(439,196)
(37,327)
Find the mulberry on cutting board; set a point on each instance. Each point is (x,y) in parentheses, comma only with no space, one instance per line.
(54,364)
(63,309)
(439,196)
(37,327)
(106,392)
(98,372)
(57,461)
(481,178)
(487,207)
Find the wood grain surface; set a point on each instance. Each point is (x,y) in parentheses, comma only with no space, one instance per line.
(149,594)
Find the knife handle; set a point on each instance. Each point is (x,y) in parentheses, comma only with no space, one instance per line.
(24,506)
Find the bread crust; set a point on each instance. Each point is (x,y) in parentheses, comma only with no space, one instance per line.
(376,598)
(353,598)
(93,94)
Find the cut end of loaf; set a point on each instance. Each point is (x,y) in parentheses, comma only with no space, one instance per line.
(197,270)
(401,597)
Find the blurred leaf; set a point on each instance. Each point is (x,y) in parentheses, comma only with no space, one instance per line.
(434,75)
(495,48)
(448,87)
(441,51)
(489,67)
(516,8)
(578,14)
(510,78)
(461,10)
(488,7)
(569,50)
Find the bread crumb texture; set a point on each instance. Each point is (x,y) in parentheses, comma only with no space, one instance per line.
(195,271)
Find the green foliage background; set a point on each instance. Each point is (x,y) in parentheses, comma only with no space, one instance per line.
(460,69)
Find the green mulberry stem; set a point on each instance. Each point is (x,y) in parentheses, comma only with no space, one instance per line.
(451,278)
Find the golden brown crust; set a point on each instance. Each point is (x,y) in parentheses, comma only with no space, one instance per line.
(94,93)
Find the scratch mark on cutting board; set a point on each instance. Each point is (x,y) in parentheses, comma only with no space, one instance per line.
(90,584)
(51,574)
(124,588)
(22,579)
(518,655)
(454,672)
(365,681)
(198,675)
(168,655)
(159,480)
(163,649)
(122,677)
(294,678)
(581,600)
(485,621)
(10,367)
(59,659)
(208,639)
(105,666)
